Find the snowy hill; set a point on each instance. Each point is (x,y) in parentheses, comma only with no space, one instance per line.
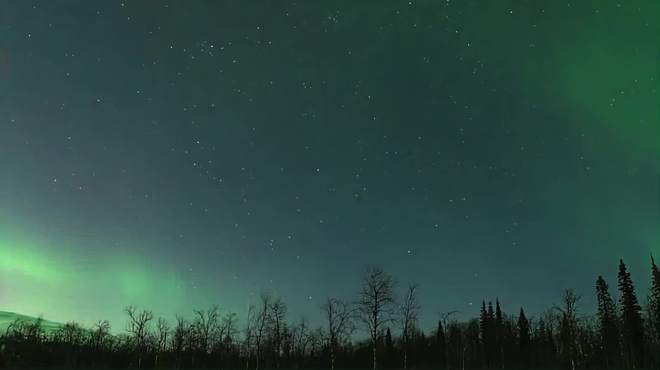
(6,318)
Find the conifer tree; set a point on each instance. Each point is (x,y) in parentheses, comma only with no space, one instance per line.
(498,335)
(632,324)
(483,321)
(440,347)
(608,330)
(486,327)
(524,340)
(654,302)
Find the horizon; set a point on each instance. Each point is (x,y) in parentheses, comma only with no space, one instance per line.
(118,325)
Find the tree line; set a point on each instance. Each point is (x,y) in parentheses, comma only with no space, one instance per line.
(620,334)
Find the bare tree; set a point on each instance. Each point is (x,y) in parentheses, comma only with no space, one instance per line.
(302,338)
(206,325)
(445,317)
(568,328)
(375,306)
(71,334)
(260,329)
(138,328)
(408,316)
(339,325)
(316,340)
(162,335)
(249,334)
(277,319)
(228,328)
(180,338)
(100,334)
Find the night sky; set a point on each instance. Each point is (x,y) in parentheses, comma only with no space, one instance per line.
(178,154)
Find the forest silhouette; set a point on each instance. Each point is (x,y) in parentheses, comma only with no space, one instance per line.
(621,334)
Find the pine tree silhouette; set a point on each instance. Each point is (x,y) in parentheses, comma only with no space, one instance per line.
(608,330)
(654,302)
(498,335)
(524,340)
(440,347)
(631,321)
(486,331)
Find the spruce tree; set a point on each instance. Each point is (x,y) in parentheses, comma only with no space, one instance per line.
(608,330)
(483,316)
(498,335)
(484,325)
(440,347)
(524,340)
(654,301)
(631,320)
(487,328)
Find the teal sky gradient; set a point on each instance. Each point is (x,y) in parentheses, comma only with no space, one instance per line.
(181,154)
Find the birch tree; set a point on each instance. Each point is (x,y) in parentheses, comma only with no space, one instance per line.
(376,306)
(339,325)
(408,316)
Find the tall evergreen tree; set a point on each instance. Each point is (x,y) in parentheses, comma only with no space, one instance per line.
(487,331)
(483,321)
(440,347)
(483,327)
(654,302)
(524,340)
(631,320)
(608,330)
(491,313)
(498,335)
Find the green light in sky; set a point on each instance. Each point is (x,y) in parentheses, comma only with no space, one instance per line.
(617,85)
(36,282)
(22,260)
(605,79)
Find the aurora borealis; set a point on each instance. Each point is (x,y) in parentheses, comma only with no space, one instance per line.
(177,154)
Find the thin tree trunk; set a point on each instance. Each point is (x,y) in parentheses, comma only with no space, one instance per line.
(405,359)
(332,358)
